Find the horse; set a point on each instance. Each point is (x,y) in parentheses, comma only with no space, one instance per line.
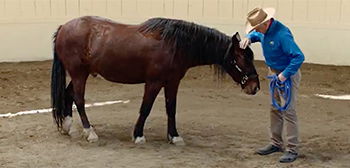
(157,52)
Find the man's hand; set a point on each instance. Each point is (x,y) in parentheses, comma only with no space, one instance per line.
(244,43)
(281,77)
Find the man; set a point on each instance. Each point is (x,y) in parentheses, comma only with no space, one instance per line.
(284,58)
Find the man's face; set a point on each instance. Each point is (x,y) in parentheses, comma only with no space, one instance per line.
(263,27)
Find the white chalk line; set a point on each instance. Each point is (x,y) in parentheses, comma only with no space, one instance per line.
(48,110)
(340,97)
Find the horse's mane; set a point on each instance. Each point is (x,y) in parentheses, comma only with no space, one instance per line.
(201,43)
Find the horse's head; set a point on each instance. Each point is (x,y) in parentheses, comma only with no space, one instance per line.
(238,63)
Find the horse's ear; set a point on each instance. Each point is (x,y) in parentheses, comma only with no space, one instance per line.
(236,37)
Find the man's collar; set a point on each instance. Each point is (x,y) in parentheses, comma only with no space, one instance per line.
(272,26)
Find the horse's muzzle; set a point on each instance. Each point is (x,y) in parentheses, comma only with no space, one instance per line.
(252,87)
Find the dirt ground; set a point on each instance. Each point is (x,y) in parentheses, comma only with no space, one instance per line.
(219,123)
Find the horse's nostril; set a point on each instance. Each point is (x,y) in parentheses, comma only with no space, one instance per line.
(257,89)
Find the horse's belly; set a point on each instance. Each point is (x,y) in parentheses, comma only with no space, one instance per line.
(123,73)
(119,79)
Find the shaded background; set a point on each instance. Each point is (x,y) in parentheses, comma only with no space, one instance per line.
(320,27)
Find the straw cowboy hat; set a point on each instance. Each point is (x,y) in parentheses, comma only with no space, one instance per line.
(257,17)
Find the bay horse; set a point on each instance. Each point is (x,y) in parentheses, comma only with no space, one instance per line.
(157,52)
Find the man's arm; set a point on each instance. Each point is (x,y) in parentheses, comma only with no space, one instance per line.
(255,36)
(290,48)
(251,37)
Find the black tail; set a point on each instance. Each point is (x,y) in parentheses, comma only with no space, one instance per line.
(58,86)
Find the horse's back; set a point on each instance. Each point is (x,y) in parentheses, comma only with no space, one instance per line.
(83,27)
(90,36)
(110,49)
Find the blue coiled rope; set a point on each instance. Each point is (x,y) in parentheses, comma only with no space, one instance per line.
(284,89)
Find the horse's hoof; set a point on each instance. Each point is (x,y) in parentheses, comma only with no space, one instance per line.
(140,140)
(178,141)
(66,125)
(90,135)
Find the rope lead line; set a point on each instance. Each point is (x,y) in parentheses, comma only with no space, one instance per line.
(284,89)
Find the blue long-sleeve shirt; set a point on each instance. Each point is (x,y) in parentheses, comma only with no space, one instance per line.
(279,48)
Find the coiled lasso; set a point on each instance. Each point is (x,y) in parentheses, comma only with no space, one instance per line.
(284,89)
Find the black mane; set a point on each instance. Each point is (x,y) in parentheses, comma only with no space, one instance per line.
(204,45)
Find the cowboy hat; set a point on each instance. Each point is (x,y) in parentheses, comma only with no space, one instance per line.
(257,17)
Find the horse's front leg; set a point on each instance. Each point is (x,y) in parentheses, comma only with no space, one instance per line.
(170,91)
(151,91)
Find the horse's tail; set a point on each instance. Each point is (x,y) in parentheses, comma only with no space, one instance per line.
(58,86)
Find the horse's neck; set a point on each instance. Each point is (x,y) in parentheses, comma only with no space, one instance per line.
(215,57)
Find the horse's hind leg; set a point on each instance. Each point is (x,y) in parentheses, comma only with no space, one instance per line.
(68,120)
(79,92)
(170,92)
(151,91)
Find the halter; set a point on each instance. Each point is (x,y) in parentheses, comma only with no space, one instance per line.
(233,62)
